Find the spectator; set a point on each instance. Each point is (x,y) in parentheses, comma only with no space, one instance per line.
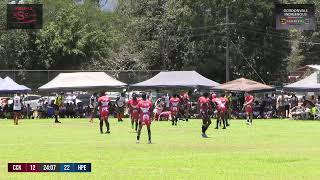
(280,105)
(273,104)
(264,104)
(294,101)
(286,104)
(28,111)
(318,101)
(313,99)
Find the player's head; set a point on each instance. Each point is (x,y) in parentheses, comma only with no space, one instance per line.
(134,96)
(206,94)
(144,96)
(102,93)
(174,95)
(223,95)
(123,94)
(18,93)
(95,94)
(246,93)
(213,95)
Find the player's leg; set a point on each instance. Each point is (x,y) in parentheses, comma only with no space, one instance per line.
(251,117)
(15,118)
(187,114)
(176,119)
(136,125)
(204,126)
(56,113)
(101,124)
(224,122)
(218,120)
(228,117)
(139,132)
(91,115)
(173,119)
(132,121)
(106,120)
(149,132)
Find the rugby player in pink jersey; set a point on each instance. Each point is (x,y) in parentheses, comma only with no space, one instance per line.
(145,116)
(174,108)
(221,106)
(205,108)
(104,109)
(134,110)
(248,105)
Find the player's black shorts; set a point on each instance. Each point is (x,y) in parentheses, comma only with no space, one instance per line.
(56,107)
(17,111)
(120,109)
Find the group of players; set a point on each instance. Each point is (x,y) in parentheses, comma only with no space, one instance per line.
(141,111)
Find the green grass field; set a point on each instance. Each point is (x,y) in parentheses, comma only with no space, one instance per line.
(271,149)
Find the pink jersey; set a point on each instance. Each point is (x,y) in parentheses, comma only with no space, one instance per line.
(249,101)
(204,104)
(145,111)
(133,108)
(104,103)
(174,105)
(221,103)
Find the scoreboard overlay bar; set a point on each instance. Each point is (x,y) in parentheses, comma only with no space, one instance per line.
(49,167)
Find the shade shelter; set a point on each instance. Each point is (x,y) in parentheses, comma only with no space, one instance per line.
(177,79)
(308,84)
(7,85)
(244,85)
(82,81)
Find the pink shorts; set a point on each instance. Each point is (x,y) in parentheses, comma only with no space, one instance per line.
(135,115)
(145,119)
(104,114)
(249,109)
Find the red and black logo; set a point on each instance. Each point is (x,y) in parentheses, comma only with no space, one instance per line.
(24,16)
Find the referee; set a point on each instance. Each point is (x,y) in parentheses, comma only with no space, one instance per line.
(58,103)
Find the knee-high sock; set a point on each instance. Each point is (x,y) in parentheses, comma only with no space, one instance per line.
(107,125)
(136,126)
(101,126)
(204,128)
(138,135)
(149,134)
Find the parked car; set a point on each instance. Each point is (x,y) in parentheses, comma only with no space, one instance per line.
(31,99)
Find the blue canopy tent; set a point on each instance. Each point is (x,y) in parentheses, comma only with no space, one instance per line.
(7,85)
(308,84)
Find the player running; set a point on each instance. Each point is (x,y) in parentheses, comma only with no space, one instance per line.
(93,106)
(58,103)
(145,116)
(159,107)
(17,107)
(205,108)
(221,106)
(186,105)
(120,104)
(174,108)
(248,105)
(104,109)
(133,110)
